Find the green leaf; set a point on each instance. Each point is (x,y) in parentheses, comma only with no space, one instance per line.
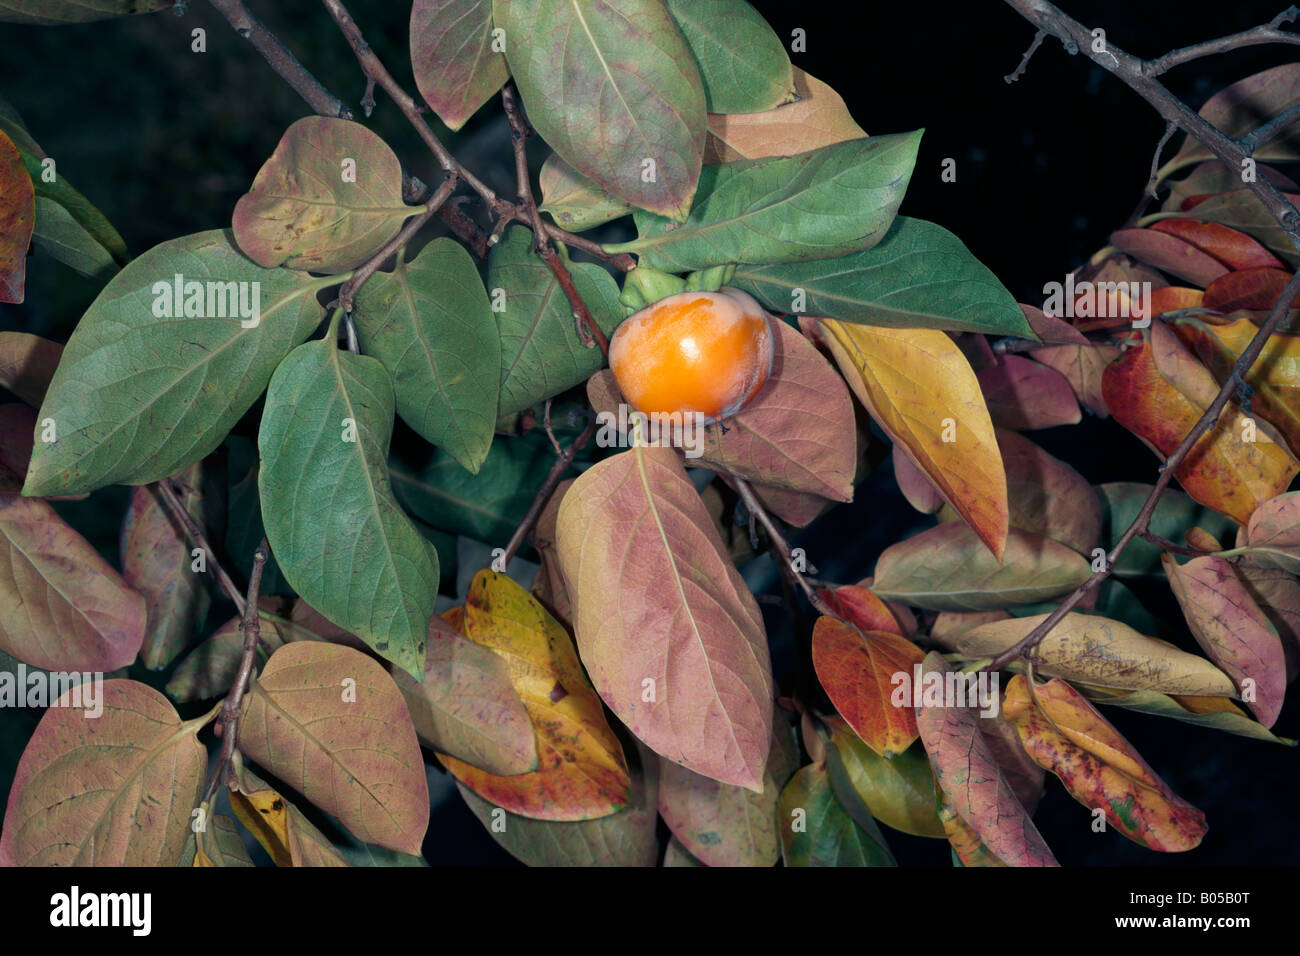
(342,540)
(488,505)
(53,13)
(138,396)
(827,202)
(244,529)
(573,200)
(456,70)
(81,243)
(430,323)
(541,353)
(613,88)
(919,276)
(741,59)
(899,792)
(12,125)
(329,197)
(1174,514)
(817,831)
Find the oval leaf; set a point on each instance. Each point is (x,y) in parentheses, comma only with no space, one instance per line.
(817,118)
(829,202)
(338,534)
(920,389)
(430,323)
(685,628)
(742,61)
(456,70)
(161,366)
(610,87)
(328,198)
(115,790)
(826,835)
(17,219)
(328,721)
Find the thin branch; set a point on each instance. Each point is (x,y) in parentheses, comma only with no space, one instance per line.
(755,508)
(200,540)
(349,289)
(1154,180)
(376,71)
(1263,135)
(1164,544)
(1039,37)
(561,465)
(227,726)
(619,260)
(281,59)
(588,329)
(1269,33)
(1143,520)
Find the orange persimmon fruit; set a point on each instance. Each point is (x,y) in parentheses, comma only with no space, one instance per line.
(706,352)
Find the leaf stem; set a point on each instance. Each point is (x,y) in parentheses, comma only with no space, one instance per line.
(561,465)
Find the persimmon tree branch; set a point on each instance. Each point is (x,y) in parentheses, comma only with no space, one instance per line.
(227,725)
(588,330)
(1142,522)
(1271,32)
(349,289)
(280,59)
(1140,76)
(780,545)
(167,491)
(561,465)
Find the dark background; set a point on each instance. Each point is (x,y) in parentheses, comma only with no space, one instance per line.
(164,141)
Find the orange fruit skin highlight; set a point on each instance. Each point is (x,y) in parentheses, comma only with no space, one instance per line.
(707,352)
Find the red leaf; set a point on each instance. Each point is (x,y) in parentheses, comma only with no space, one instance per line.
(1021,393)
(1234,249)
(17,218)
(1255,289)
(1169,253)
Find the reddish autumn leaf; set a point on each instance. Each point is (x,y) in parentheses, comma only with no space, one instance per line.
(112,790)
(582,773)
(549,587)
(1169,253)
(1021,393)
(969,775)
(456,70)
(1051,329)
(1232,630)
(330,722)
(1066,735)
(17,219)
(1158,391)
(1255,289)
(856,662)
(798,432)
(1234,249)
(1082,366)
(1171,297)
(668,630)
(1047,496)
(920,493)
(78,614)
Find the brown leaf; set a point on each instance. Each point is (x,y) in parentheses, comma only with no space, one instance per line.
(581,771)
(467,706)
(1021,393)
(1097,650)
(1234,249)
(330,722)
(915,486)
(681,655)
(548,586)
(115,790)
(1232,630)
(1170,253)
(1082,366)
(304,211)
(27,363)
(1065,734)
(1047,496)
(77,611)
(798,432)
(969,775)
(818,118)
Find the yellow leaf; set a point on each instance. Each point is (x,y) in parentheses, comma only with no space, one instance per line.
(288,836)
(918,386)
